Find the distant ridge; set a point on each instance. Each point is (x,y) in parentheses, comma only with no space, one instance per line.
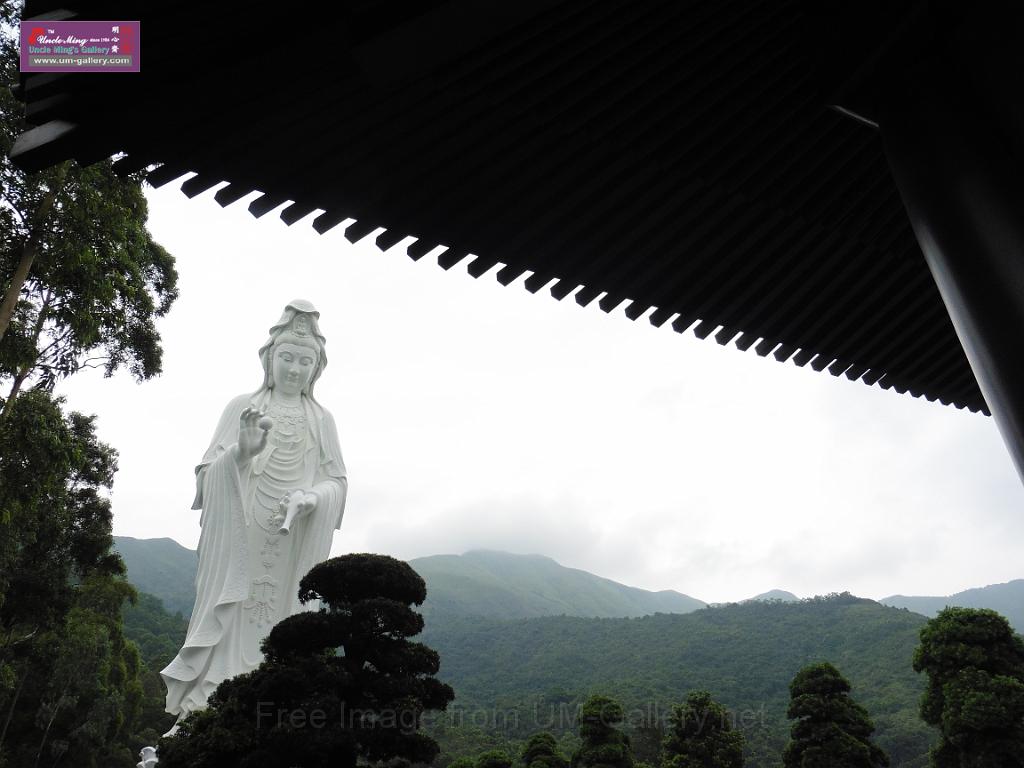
(1007,599)
(773,594)
(478,583)
(163,568)
(503,585)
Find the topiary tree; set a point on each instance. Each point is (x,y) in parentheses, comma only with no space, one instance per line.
(339,686)
(975,695)
(604,745)
(541,751)
(831,729)
(700,735)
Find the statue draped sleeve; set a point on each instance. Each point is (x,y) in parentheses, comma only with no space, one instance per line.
(209,654)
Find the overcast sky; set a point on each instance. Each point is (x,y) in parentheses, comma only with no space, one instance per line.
(474,415)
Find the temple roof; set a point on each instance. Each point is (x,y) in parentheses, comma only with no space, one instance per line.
(677,155)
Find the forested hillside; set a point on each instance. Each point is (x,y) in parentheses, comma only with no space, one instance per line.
(161,567)
(519,667)
(513,678)
(159,635)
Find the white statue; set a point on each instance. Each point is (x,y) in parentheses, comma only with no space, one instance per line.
(147,758)
(272,490)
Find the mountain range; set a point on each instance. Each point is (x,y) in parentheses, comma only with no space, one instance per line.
(524,640)
(774,594)
(478,583)
(495,584)
(1007,599)
(502,585)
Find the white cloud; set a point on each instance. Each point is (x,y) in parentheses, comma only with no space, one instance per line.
(475,415)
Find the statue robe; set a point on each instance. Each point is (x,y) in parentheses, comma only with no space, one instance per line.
(220,639)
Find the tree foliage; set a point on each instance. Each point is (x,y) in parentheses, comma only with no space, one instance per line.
(339,685)
(81,284)
(53,509)
(541,751)
(747,654)
(974,663)
(540,745)
(603,744)
(82,280)
(701,735)
(493,758)
(831,729)
(158,635)
(69,680)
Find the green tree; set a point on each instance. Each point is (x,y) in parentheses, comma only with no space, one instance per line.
(603,744)
(158,635)
(493,758)
(700,735)
(541,751)
(69,681)
(339,686)
(82,280)
(54,513)
(831,729)
(81,284)
(975,691)
(92,696)
(647,740)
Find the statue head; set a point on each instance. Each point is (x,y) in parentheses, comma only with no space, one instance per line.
(297,330)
